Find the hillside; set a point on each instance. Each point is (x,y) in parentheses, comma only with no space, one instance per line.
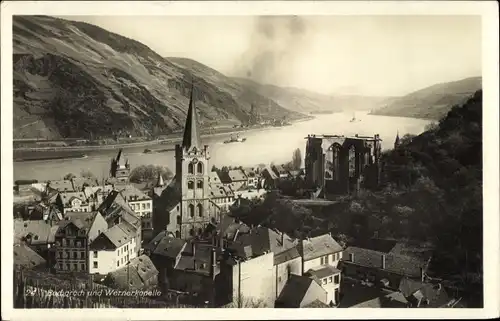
(432,102)
(304,101)
(73,79)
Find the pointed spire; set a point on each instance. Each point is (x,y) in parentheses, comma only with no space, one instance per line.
(159,182)
(191,135)
(396,142)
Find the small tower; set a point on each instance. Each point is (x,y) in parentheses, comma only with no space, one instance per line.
(120,168)
(397,141)
(192,177)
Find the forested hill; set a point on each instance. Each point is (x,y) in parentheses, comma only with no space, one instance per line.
(441,171)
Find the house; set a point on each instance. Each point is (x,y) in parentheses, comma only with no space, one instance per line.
(27,258)
(280,171)
(329,278)
(112,249)
(213,178)
(235,179)
(97,194)
(382,262)
(47,213)
(360,294)
(79,183)
(424,294)
(252,177)
(270,179)
(73,202)
(221,195)
(60,186)
(320,250)
(165,252)
(139,274)
(195,270)
(72,240)
(301,292)
(142,205)
(38,235)
(257,266)
(251,193)
(115,210)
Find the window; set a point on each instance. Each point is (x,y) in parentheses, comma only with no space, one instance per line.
(75,266)
(178,234)
(323,281)
(118,263)
(326,259)
(200,231)
(82,255)
(199,184)
(190,185)
(330,279)
(322,260)
(191,210)
(190,168)
(75,255)
(67,266)
(179,219)
(60,266)
(143,206)
(78,244)
(351,257)
(200,210)
(199,168)
(64,242)
(95,253)
(83,267)
(337,279)
(148,205)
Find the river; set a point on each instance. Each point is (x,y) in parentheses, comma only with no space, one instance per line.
(265,146)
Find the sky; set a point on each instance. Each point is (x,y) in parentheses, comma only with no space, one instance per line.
(362,55)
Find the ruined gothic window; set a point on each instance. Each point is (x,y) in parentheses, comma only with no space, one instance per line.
(352,161)
(191,210)
(190,168)
(199,184)
(199,168)
(190,185)
(199,209)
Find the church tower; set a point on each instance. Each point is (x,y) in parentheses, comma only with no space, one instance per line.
(397,141)
(192,169)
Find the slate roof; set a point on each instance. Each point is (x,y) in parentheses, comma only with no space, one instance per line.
(134,275)
(323,271)
(202,255)
(68,197)
(220,190)
(115,206)
(214,177)
(78,182)
(169,196)
(286,256)
(259,241)
(237,175)
(116,236)
(267,170)
(25,257)
(295,290)
(131,193)
(40,232)
(61,185)
(390,300)
(399,264)
(436,294)
(319,246)
(166,245)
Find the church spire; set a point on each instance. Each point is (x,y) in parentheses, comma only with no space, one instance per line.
(159,182)
(191,135)
(396,142)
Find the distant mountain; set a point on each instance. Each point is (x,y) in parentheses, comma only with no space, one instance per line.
(73,79)
(432,102)
(304,101)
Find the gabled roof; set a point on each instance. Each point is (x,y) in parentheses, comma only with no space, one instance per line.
(131,193)
(295,290)
(191,136)
(237,175)
(318,246)
(113,238)
(219,190)
(81,220)
(400,264)
(79,182)
(323,271)
(25,257)
(214,177)
(286,256)
(63,185)
(68,197)
(166,245)
(267,170)
(38,231)
(416,290)
(135,274)
(115,206)
(261,240)
(202,255)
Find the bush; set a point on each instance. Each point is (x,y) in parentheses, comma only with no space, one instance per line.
(145,173)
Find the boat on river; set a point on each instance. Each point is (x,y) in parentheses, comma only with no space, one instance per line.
(234,139)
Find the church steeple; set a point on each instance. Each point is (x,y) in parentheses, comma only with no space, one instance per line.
(397,141)
(191,135)
(159,182)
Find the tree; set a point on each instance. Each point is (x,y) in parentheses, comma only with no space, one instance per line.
(145,173)
(297,159)
(69,176)
(87,174)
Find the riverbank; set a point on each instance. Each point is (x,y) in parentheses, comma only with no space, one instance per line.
(169,141)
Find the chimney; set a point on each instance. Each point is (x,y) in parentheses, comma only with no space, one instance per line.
(383,261)
(213,265)
(282,239)
(193,244)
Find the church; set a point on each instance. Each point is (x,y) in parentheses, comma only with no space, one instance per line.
(183,207)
